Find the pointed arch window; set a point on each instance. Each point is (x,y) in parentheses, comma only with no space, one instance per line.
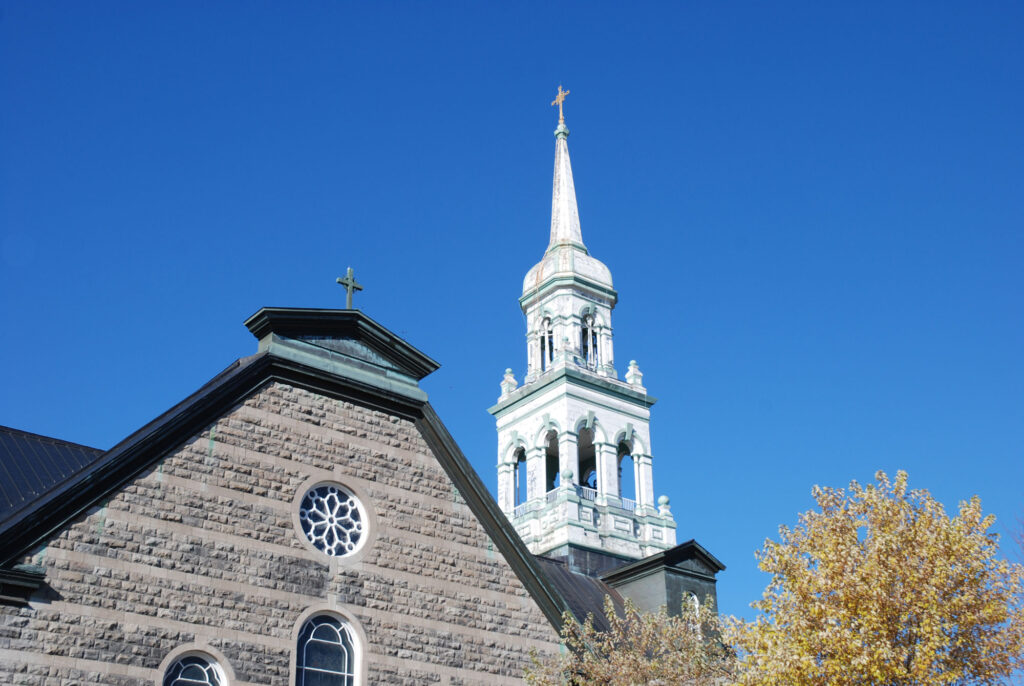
(326,653)
(547,345)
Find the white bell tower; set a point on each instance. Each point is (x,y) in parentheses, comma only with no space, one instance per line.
(573,428)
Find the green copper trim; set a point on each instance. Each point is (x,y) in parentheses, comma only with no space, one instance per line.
(574,244)
(563,281)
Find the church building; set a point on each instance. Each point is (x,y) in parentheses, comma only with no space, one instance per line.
(305,518)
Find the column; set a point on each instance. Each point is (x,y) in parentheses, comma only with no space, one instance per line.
(607,472)
(568,455)
(607,358)
(644,483)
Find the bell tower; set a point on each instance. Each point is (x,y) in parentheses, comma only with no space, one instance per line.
(574,444)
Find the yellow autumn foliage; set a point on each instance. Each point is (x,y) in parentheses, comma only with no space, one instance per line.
(882,587)
(639,649)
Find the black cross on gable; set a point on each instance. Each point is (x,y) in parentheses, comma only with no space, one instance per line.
(351,286)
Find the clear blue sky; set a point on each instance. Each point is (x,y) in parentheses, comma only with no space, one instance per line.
(814,216)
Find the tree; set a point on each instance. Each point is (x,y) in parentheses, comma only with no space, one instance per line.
(638,649)
(881,586)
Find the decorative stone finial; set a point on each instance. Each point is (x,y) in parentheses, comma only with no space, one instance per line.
(566,478)
(634,377)
(663,508)
(508,383)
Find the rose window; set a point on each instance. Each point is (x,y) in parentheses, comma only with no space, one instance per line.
(332,520)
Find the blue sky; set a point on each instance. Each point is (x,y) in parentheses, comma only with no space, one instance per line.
(813,214)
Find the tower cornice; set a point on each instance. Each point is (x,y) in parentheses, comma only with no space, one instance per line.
(574,377)
(568,281)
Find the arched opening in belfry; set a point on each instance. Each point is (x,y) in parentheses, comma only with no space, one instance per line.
(551,460)
(547,345)
(519,478)
(588,341)
(587,458)
(627,471)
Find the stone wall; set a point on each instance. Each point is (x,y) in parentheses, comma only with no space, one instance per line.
(203,550)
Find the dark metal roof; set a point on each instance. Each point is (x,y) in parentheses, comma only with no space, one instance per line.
(31,465)
(584,594)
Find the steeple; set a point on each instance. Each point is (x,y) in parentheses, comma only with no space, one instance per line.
(565,216)
(574,445)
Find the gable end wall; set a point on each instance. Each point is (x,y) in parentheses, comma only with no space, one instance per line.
(202,549)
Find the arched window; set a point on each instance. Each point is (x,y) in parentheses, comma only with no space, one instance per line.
(588,341)
(627,472)
(519,484)
(551,460)
(587,457)
(547,345)
(326,653)
(194,670)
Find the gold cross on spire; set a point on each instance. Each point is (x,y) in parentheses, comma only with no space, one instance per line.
(559,99)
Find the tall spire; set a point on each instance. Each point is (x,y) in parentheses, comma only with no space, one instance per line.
(565,217)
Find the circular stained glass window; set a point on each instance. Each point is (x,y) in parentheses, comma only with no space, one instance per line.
(332,519)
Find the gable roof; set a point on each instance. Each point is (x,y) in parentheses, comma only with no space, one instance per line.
(348,333)
(94,482)
(678,557)
(31,465)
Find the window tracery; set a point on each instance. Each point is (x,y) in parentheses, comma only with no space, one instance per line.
(332,520)
(194,670)
(326,653)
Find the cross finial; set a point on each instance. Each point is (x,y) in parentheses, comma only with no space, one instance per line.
(351,286)
(559,99)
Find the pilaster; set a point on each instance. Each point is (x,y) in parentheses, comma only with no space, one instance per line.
(506,487)
(535,473)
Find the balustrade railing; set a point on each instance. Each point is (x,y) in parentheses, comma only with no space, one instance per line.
(584,492)
(523,508)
